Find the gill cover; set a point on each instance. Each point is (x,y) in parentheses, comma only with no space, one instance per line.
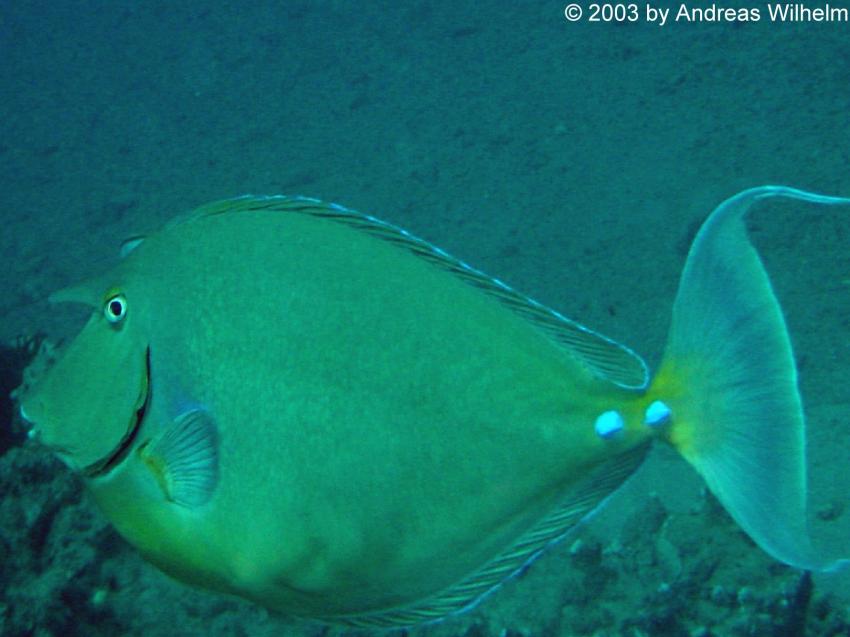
(86,407)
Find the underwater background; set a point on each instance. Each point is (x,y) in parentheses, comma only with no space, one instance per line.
(573,160)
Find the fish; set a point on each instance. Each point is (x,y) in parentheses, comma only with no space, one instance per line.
(307,407)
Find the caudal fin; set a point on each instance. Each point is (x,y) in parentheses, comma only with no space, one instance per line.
(728,374)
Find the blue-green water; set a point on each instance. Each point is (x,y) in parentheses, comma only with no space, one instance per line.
(571,159)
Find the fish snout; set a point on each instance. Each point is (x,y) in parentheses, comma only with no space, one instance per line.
(35,432)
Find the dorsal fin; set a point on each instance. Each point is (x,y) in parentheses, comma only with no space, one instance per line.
(604,357)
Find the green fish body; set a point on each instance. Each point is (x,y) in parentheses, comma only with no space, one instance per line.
(287,401)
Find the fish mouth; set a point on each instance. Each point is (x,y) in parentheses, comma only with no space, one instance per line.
(106,464)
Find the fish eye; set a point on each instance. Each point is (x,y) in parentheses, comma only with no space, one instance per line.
(115,309)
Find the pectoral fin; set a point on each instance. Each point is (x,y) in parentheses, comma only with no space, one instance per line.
(184,458)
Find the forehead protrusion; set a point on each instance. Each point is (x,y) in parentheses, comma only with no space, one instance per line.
(608,424)
(657,414)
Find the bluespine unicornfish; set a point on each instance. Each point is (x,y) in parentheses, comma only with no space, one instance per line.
(285,400)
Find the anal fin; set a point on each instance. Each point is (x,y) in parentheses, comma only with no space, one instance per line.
(578,504)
